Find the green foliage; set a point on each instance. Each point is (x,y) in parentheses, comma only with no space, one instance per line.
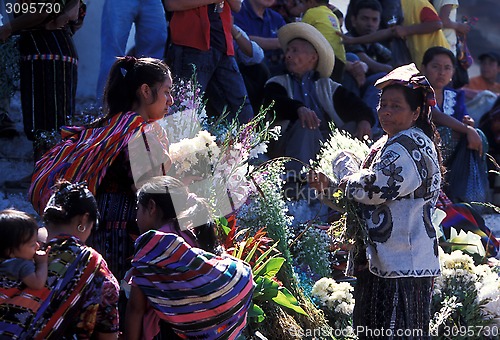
(266,263)
(269,209)
(312,249)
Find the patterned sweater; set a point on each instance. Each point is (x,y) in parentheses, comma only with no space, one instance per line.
(398,191)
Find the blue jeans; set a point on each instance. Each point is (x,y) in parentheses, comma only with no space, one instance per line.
(218,76)
(117,19)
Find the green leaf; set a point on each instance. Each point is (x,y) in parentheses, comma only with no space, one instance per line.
(286,299)
(252,252)
(241,249)
(223,221)
(256,313)
(265,289)
(260,261)
(271,267)
(226,230)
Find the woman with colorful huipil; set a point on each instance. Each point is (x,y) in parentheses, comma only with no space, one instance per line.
(115,154)
(396,188)
(80,297)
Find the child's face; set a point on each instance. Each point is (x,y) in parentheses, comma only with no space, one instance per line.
(26,250)
(143,218)
(489,68)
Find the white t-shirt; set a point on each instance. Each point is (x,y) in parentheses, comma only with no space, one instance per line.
(449,33)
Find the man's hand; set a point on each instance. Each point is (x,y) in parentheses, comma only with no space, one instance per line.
(308,118)
(358,70)
(363,129)
(462,28)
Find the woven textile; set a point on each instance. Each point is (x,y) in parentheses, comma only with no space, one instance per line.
(87,153)
(68,304)
(386,306)
(201,295)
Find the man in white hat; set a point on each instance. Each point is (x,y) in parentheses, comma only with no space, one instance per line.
(306,99)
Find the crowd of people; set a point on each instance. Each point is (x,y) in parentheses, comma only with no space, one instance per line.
(395,77)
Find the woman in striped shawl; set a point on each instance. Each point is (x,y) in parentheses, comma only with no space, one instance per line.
(115,154)
(195,293)
(80,297)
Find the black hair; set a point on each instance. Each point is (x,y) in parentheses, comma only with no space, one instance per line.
(70,200)
(438,50)
(370,4)
(126,76)
(16,228)
(177,204)
(415,99)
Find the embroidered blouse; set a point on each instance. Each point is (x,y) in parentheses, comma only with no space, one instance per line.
(398,191)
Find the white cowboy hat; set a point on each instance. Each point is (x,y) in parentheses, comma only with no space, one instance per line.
(301,30)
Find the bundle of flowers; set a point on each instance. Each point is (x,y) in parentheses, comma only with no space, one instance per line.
(215,155)
(338,142)
(465,296)
(266,207)
(187,115)
(313,250)
(339,156)
(336,300)
(195,156)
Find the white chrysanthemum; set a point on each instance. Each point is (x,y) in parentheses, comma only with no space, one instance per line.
(457,259)
(337,297)
(257,150)
(321,285)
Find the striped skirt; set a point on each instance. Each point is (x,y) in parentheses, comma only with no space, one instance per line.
(48,78)
(113,238)
(392,308)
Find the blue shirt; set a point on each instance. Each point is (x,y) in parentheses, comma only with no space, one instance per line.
(266,27)
(241,57)
(17,268)
(304,91)
(453,103)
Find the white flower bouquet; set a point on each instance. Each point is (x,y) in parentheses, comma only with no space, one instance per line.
(195,156)
(336,299)
(465,295)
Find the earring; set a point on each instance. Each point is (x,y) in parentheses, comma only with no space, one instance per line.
(81,229)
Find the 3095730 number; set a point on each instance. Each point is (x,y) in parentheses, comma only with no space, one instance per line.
(33,8)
